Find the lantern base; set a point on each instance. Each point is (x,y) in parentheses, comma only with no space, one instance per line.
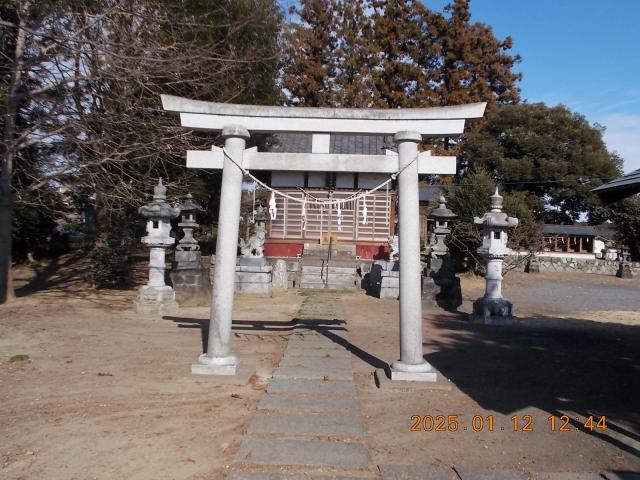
(492,311)
(156,300)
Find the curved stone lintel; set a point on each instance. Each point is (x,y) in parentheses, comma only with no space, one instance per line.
(173,103)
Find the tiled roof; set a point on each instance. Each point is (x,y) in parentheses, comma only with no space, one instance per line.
(606,230)
(620,188)
(346,144)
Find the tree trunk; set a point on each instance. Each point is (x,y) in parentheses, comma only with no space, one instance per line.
(8,157)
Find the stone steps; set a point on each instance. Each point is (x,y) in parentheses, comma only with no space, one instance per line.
(308,423)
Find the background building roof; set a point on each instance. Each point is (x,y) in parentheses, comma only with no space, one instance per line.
(620,188)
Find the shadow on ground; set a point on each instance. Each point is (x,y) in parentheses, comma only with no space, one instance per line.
(330,328)
(569,366)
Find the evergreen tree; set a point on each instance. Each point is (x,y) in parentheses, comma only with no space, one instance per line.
(310,54)
(551,153)
(476,66)
(356,54)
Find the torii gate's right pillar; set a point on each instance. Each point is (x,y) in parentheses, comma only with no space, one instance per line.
(412,365)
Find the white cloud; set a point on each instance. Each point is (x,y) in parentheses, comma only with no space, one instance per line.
(623,136)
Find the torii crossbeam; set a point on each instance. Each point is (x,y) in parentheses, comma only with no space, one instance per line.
(408,127)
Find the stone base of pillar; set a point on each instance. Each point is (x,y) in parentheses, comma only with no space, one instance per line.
(422,372)
(190,279)
(444,293)
(492,311)
(253,275)
(156,300)
(385,278)
(215,365)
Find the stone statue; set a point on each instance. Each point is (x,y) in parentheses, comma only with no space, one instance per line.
(394,253)
(254,246)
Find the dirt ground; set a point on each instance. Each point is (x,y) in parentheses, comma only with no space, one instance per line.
(107,394)
(585,364)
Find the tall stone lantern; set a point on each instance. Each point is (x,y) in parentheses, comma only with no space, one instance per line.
(156,296)
(439,285)
(189,277)
(493,308)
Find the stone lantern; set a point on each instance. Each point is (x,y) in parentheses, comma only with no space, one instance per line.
(188,275)
(441,216)
(493,308)
(156,296)
(439,285)
(188,210)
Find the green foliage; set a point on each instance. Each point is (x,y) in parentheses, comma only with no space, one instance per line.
(471,198)
(111,261)
(394,53)
(31,232)
(626,216)
(19,358)
(548,152)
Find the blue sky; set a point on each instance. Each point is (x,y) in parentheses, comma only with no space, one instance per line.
(584,54)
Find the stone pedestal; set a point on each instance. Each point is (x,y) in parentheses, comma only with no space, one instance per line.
(156,297)
(440,287)
(533,265)
(624,270)
(279,276)
(253,275)
(156,300)
(190,279)
(385,278)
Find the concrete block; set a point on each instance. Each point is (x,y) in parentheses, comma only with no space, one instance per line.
(317,363)
(254,288)
(202,369)
(269,451)
(308,404)
(329,345)
(219,375)
(253,269)
(416,472)
(253,277)
(308,425)
(393,282)
(294,352)
(383,382)
(315,374)
(388,292)
(256,262)
(414,376)
(281,385)
(469,474)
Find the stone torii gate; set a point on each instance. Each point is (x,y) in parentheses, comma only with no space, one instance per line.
(408,127)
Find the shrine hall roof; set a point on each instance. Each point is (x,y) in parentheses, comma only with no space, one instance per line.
(339,143)
(580,230)
(620,187)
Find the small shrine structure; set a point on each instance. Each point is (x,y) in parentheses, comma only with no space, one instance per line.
(408,128)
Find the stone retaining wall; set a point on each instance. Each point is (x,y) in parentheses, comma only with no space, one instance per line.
(560,264)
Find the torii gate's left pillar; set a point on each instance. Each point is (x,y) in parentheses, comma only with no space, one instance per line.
(218,359)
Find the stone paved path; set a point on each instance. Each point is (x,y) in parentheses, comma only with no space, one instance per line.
(308,423)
